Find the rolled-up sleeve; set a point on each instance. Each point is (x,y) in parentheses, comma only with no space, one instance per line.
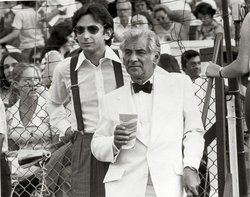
(57,96)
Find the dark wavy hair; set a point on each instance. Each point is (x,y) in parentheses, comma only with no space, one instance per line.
(169,63)
(204,8)
(4,83)
(186,56)
(99,13)
(58,36)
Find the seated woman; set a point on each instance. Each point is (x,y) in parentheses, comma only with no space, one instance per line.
(209,27)
(171,25)
(7,63)
(27,120)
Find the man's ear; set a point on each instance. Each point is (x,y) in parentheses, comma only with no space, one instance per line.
(108,33)
(156,58)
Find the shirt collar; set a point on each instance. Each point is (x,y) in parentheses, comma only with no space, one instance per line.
(109,54)
(151,79)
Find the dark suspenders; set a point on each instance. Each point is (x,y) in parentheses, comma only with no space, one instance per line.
(75,88)
(76,93)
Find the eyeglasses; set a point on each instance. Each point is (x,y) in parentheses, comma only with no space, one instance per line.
(160,18)
(93,29)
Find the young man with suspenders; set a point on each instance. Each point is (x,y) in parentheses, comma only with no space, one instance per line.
(86,77)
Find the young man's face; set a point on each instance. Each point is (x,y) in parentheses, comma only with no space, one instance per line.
(90,34)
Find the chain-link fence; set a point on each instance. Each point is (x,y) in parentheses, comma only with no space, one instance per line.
(31,169)
(208,169)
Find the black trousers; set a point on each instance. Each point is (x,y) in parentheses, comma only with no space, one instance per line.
(5,177)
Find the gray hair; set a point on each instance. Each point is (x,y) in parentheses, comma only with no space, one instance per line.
(153,43)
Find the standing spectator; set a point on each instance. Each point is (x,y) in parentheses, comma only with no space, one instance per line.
(171,25)
(7,64)
(122,21)
(209,27)
(6,19)
(168,142)
(54,11)
(238,67)
(27,28)
(4,165)
(95,66)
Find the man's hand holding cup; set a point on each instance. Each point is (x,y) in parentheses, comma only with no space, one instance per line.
(125,132)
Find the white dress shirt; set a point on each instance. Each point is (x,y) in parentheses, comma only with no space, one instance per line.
(143,103)
(94,82)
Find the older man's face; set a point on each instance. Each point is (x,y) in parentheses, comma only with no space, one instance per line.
(138,60)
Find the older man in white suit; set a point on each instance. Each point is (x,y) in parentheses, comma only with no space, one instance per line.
(165,156)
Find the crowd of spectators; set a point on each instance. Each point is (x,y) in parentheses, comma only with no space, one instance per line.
(41,35)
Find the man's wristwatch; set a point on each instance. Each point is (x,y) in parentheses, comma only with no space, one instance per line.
(220,70)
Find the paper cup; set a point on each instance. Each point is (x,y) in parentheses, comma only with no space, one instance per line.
(130,122)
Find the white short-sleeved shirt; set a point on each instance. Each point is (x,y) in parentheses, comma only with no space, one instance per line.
(31,33)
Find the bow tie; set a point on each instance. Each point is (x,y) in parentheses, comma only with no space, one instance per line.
(146,87)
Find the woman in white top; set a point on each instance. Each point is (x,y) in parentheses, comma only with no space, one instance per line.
(238,67)
(27,120)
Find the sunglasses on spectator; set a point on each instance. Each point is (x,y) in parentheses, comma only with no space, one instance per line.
(93,29)
(161,18)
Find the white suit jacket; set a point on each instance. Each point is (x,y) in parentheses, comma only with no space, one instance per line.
(176,126)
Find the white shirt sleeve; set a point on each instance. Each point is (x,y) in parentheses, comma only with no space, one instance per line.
(57,96)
